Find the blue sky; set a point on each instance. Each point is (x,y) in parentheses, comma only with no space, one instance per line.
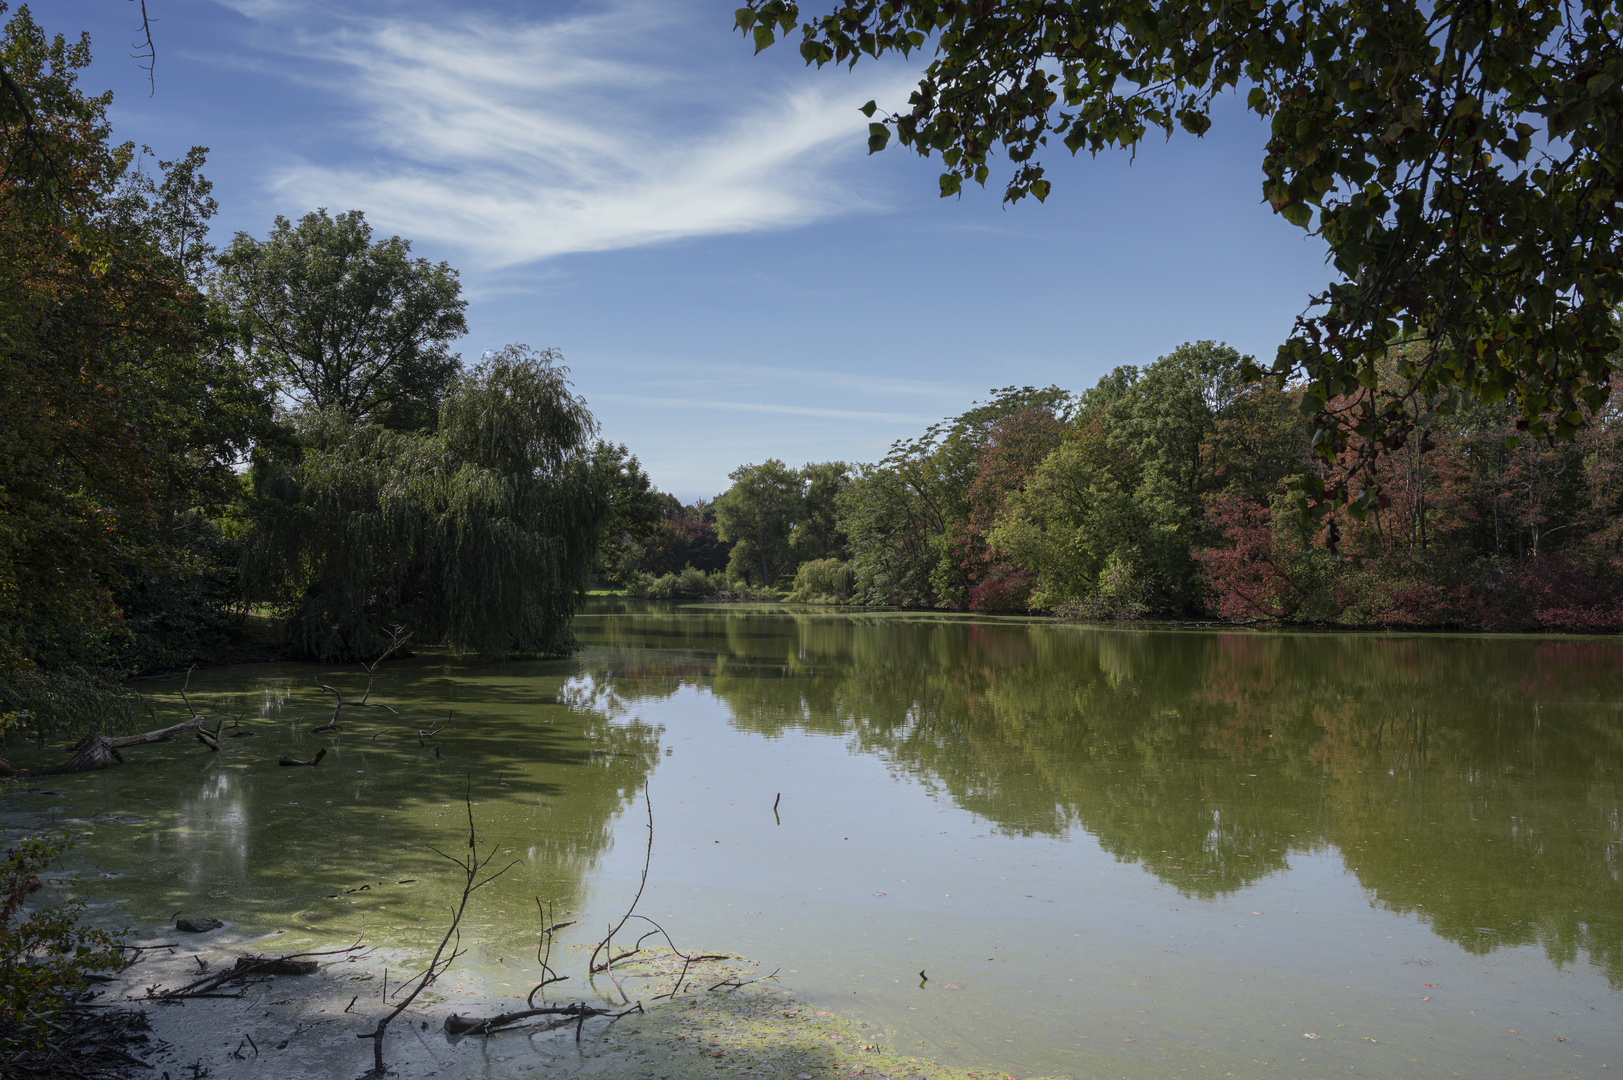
(700,231)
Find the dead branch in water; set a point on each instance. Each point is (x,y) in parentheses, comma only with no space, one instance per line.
(580,1012)
(548,976)
(733,982)
(592,966)
(211,739)
(472,867)
(434,729)
(285,760)
(397,639)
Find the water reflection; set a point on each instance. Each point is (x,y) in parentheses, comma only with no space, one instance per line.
(1470,781)
(236,835)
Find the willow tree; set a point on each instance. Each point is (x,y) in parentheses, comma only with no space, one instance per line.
(479,534)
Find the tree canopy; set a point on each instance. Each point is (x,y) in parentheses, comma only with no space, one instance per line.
(1463,162)
(344,323)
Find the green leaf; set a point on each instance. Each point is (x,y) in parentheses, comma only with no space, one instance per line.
(951,184)
(743,18)
(878,137)
(1040,189)
(763,37)
(869,109)
(1298,214)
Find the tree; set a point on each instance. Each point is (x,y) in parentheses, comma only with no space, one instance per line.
(1076,515)
(1463,163)
(636,509)
(480,533)
(122,418)
(1014,447)
(343,323)
(757,514)
(906,516)
(817,533)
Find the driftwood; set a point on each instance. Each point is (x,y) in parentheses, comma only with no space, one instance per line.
(468,1025)
(212,985)
(98,751)
(285,760)
(265,965)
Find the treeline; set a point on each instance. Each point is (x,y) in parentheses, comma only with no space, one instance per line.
(191,434)
(1171,491)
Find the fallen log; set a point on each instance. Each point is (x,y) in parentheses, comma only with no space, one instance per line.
(285,760)
(98,751)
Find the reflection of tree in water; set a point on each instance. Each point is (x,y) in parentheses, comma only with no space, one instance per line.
(1472,781)
(549,778)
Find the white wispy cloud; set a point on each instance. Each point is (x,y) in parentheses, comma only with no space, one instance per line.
(516,142)
(771,408)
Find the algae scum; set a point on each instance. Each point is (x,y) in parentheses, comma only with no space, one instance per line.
(989,847)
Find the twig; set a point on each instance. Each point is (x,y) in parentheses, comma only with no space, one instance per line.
(592,966)
(462,1025)
(733,983)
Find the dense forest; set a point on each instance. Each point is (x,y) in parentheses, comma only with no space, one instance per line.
(1174,491)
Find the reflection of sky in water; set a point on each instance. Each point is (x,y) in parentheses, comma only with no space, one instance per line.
(1129,853)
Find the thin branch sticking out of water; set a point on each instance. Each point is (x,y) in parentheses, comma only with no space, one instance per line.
(473,866)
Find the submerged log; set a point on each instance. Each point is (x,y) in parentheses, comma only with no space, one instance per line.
(285,760)
(274,965)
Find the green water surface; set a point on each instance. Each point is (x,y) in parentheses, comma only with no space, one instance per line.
(1111,852)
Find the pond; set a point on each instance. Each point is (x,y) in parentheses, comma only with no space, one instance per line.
(1051,849)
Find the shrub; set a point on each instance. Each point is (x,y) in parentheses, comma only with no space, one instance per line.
(1121,596)
(44,954)
(1005,589)
(689,584)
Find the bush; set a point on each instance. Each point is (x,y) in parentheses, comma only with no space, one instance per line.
(824,581)
(689,584)
(43,954)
